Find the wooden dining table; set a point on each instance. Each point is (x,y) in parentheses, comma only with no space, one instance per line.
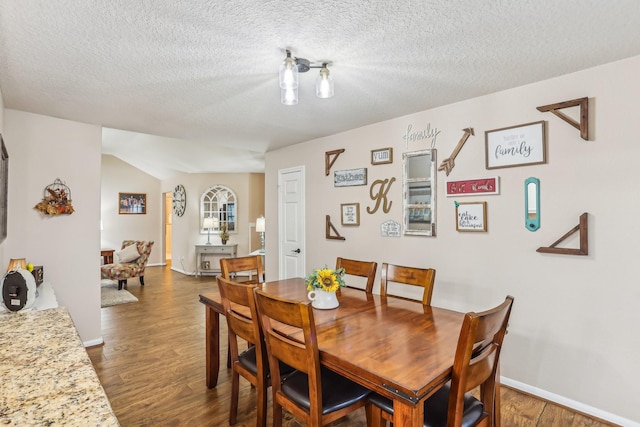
(398,348)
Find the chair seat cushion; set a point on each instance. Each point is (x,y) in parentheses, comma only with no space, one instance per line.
(436,407)
(337,391)
(248,359)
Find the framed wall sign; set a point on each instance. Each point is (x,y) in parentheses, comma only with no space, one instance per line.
(350,213)
(471,216)
(350,177)
(382,156)
(132,203)
(516,146)
(473,187)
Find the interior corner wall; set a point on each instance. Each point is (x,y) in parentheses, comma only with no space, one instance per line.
(42,149)
(570,330)
(120,177)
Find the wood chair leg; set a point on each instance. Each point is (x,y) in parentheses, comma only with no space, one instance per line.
(262,403)
(121,283)
(374,416)
(141,280)
(235,395)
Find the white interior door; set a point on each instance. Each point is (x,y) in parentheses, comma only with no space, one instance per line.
(291,220)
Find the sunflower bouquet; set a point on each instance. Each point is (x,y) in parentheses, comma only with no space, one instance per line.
(325,279)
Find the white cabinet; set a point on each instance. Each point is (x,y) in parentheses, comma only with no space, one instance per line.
(209,255)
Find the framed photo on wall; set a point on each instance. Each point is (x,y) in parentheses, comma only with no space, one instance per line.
(520,145)
(471,216)
(132,203)
(350,213)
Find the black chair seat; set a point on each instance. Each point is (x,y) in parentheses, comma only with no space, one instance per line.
(248,359)
(435,408)
(337,391)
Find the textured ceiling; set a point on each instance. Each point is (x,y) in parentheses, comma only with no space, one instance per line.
(202,75)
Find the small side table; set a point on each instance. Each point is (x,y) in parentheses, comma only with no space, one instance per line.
(107,255)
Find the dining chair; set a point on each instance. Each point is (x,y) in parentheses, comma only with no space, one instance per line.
(366,269)
(313,394)
(230,267)
(423,277)
(242,321)
(476,363)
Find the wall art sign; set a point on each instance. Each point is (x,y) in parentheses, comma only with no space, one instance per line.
(350,213)
(471,216)
(472,187)
(382,156)
(418,135)
(350,177)
(378,193)
(516,146)
(390,228)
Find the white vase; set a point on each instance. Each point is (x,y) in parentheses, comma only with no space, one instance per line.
(322,299)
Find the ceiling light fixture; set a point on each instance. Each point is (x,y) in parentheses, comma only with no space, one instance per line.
(288,77)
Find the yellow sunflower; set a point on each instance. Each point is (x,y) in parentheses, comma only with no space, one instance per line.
(327,280)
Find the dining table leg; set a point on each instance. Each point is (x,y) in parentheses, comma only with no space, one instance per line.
(212,346)
(406,414)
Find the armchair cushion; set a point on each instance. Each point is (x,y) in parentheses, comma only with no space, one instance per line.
(128,254)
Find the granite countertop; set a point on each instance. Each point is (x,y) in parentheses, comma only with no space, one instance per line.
(46,376)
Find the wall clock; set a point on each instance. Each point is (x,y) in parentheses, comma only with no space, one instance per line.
(179,200)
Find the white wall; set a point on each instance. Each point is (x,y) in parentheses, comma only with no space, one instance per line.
(42,149)
(571,332)
(120,177)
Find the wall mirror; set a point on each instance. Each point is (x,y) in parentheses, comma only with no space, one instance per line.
(219,202)
(419,192)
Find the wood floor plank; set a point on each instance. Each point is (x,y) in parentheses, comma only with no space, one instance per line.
(152,366)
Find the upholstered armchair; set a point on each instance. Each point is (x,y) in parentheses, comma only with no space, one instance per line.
(128,268)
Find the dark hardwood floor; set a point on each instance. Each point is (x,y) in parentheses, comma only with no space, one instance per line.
(152,365)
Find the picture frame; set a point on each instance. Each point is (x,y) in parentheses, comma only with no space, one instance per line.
(350,214)
(382,156)
(521,145)
(132,203)
(471,216)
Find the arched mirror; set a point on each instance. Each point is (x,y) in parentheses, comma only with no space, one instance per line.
(419,192)
(219,202)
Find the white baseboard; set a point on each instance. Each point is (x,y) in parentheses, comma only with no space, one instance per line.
(572,404)
(91,343)
(179,270)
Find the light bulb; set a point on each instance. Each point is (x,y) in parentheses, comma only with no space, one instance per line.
(289,73)
(324,83)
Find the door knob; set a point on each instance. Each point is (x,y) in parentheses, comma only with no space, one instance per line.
(296,251)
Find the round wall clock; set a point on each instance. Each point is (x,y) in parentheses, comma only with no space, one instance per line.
(179,200)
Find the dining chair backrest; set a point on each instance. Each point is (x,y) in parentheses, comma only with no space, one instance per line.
(229,267)
(423,277)
(300,354)
(477,360)
(239,306)
(366,269)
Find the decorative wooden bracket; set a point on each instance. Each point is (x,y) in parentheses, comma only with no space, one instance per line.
(328,161)
(584,243)
(329,228)
(583,126)
(448,163)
